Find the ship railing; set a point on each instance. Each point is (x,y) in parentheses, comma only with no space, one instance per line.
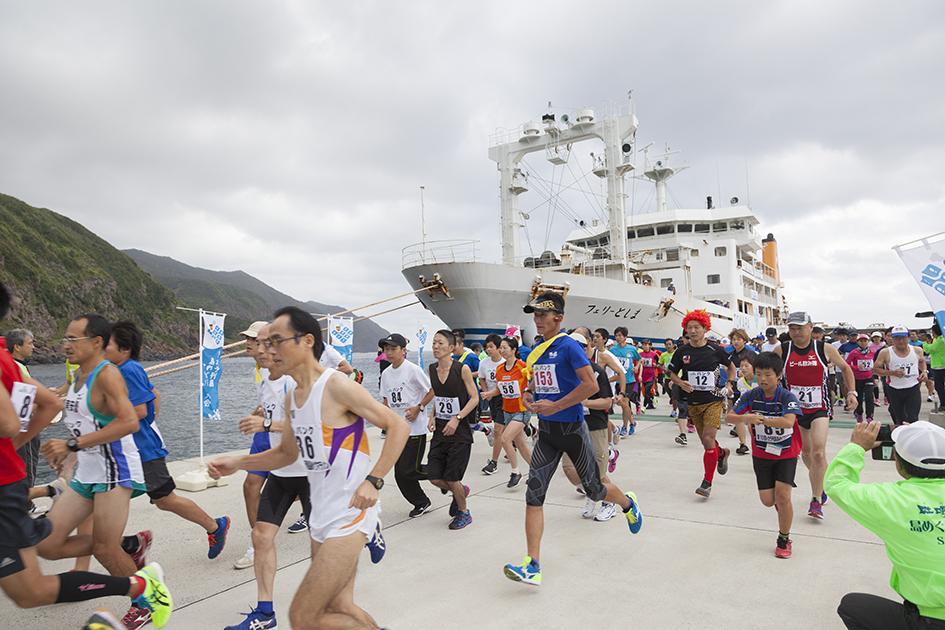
(441,251)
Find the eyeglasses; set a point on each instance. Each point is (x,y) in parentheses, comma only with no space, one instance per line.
(275,342)
(71,340)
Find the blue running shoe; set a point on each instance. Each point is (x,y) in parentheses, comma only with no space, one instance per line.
(217,540)
(634,515)
(631,429)
(823,498)
(255,620)
(461,520)
(623,432)
(454,509)
(527,573)
(299,526)
(377,545)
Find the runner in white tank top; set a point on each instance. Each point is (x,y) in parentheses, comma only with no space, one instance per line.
(905,367)
(329,428)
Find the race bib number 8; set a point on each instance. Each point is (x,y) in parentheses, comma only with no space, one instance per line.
(624,363)
(702,381)
(546,380)
(810,397)
(23,396)
(510,389)
(445,408)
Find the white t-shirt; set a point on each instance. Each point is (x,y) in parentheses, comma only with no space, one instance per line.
(769,347)
(331,358)
(487,368)
(404,387)
(272,393)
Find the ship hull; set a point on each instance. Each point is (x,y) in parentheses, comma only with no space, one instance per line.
(485,298)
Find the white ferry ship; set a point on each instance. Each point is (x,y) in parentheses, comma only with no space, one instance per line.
(643,272)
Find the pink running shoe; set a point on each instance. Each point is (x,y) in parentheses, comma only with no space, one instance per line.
(140,557)
(612,460)
(783,552)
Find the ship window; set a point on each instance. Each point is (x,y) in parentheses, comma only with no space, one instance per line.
(694,253)
(672,254)
(665,283)
(664,229)
(604,240)
(738,224)
(721,226)
(684,227)
(647,231)
(721,251)
(713,278)
(659,255)
(702,228)
(631,234)
(591,243)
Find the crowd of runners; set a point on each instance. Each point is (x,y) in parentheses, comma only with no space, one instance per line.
(570,398)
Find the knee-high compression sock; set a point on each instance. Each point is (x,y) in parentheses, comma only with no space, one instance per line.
(710,459)
(79,586)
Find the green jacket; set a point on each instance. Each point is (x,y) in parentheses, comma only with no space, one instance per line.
(908,515)
(936,352)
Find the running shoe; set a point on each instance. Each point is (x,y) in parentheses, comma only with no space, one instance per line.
(606,512)
(623,432)
(377,545)
(514,480)
(454,509)
(580,490)
(674,413)
(733,433)
(690,427)
(461,520)
(255,620)
(858,417)
(419,510)
(783,552)
(681,439)
(632,429)
(528,430)
(217,540)
(634,514)
(140,556)
(135,618)
(612,460)
(527,573)
(156,598)
(104,620)
(742,449)
(490,434)
(823,498)
(815,510)
(247,560)
(590,508)
(723,460)
(491,467)
(299,526)
(930,400)
(705,489)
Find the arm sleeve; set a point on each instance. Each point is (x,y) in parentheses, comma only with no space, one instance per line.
(676,362)
(864,503)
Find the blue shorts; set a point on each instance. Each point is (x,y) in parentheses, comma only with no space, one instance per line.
(260,444)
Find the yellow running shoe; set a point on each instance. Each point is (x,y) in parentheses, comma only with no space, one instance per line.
(156,596)
(103,620)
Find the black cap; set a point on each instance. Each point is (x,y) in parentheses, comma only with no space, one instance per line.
(771,331)
(393,339)
(548,301)
(817,329)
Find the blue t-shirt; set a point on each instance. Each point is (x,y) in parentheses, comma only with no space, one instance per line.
(471,360)
(627,356)
(783,402)
(523,352)
(555,376)
(847,348)
(140,391)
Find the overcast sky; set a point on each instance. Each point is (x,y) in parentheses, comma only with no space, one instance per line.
(289,139)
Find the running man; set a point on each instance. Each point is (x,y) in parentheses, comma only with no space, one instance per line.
(904,366)
(405,388)
(649,359)
(771,339)
(772,412)
(327,414)
(626,354)
(491,398)
(698,363)
(562,378)
(805,374)
(455,402)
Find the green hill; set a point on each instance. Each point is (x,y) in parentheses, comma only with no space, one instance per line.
(241,296)
(56,269)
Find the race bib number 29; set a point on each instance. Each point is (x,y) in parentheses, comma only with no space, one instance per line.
(445,408)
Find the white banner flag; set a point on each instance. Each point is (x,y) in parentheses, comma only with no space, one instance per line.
(341,335)
(925,260)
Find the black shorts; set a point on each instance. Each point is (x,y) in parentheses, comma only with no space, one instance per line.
(495,410)
(805,419)
(278,495)
(767,471)
(904,404)
(554,440)
(157,479)
(448,460)
(17,529)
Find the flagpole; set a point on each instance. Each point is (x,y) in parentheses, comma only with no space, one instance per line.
(200,385)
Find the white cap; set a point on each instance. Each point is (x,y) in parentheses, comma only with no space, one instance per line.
(921,444)
(578,337)
(253,331)
(876,333)
(899,331)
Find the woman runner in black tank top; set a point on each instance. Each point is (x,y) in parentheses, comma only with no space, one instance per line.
(449,398)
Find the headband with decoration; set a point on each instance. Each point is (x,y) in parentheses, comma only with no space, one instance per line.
(700,316)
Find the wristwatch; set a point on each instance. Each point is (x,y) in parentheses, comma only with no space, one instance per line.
(377,482)
(267,425)
(73,445)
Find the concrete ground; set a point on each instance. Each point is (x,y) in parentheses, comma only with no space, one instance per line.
(696,564)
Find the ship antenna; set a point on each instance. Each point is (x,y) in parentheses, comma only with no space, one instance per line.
(423,228)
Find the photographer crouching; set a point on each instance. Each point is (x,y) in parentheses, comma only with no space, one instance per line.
(908,515)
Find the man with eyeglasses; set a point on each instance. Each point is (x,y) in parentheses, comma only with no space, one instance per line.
(327,413)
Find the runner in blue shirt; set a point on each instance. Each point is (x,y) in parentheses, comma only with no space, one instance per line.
(628,356)
(561,380)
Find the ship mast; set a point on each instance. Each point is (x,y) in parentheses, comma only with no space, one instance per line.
(555,136)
